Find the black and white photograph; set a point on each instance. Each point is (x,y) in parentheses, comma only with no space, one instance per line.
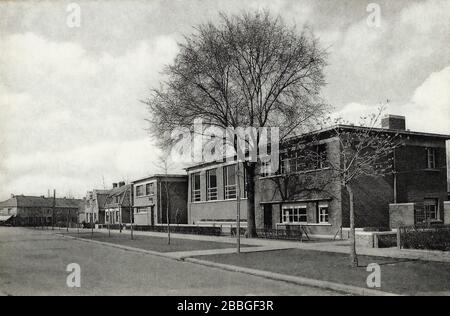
(224,154)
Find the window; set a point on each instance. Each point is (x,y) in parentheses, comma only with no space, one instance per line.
(310,158)
(431,158)
(229,180)
(139,190)
(431,209)
(149,189)
(195,178)
(294,214)
(211,185)
(321,156)
(429,212)
(323,213)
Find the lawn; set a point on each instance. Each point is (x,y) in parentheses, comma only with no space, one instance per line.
(397,275)
(158,244)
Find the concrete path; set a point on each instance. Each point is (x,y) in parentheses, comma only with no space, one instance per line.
(339,246)
(195,253)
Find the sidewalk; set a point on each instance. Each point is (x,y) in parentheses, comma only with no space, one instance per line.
(339,246)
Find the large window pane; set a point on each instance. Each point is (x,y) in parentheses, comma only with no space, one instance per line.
(211,185)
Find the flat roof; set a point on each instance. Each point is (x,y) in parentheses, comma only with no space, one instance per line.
(331,128)
(160,176)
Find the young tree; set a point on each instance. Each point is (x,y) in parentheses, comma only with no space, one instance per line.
(164,164)
(247,70)
(366,151)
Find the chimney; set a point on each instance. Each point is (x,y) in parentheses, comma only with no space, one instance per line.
(121,183)
(396,122)
(114,185)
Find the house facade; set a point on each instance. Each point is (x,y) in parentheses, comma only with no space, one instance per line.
(21,210)
(316,200)
(94,207)
(152,195)
(118,204)
(213,192)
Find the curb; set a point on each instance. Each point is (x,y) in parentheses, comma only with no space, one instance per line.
(349,289)
(127,248)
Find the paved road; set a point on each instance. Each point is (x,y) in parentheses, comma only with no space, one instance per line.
(34,262)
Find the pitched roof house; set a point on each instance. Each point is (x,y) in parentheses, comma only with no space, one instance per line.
(32,210)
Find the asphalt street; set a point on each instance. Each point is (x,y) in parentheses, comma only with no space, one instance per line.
(34,262)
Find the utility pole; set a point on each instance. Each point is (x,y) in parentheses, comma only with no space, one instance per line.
(131,210)
(68,216)
(92,220)
(238,209)
(53,209)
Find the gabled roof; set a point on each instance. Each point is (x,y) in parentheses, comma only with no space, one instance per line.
(119,190)
(116,192)
(40,201)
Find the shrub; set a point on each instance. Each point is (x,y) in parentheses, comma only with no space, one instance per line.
(431,238)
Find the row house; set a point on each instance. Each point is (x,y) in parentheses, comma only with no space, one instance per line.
(21,210)
(118,204)
(153,195)
(94,210)
(321,206)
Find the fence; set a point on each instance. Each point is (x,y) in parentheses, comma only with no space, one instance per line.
(287,233)
(430,237)
(185,229)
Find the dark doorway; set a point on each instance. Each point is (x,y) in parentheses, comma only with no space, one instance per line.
(152,215)
(267,216)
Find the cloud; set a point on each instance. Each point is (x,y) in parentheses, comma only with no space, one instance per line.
(428,110)
(369,64)
(67,114)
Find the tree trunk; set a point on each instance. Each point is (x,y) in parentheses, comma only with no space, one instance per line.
(353,255)
(250,167)
(167,212)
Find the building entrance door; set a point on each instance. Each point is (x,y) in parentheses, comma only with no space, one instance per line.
(267,216)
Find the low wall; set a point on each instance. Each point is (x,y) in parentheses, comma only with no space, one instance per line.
(447,212)
(371,239)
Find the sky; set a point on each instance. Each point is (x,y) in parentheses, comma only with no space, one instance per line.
(70,112)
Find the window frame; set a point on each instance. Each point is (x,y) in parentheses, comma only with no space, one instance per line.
(196,193)
(229,189)
(327,214)
(211,192)
(296,213)
(140,190)
(431,153)
(149,189)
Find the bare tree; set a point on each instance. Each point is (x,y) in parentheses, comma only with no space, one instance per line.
(365,151)
(248,70)
(302,169)
(164,164)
